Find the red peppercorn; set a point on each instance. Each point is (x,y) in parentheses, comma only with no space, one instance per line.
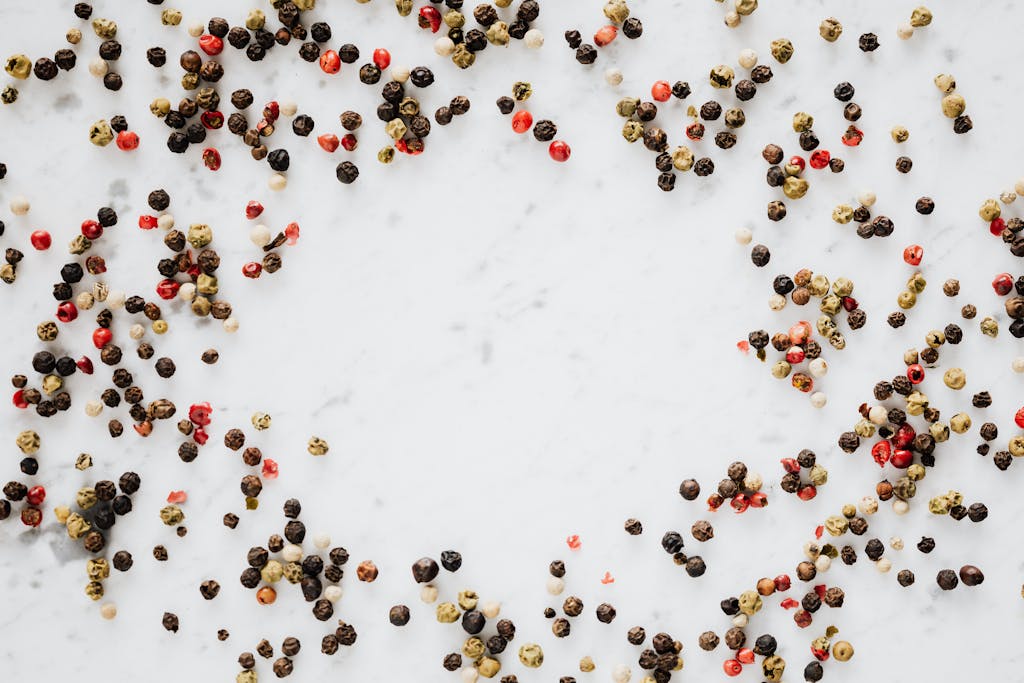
(820,590)
(40,240)
(881,452)
(291,231)
(740,502)
(252,270)
(430,18)
(349,142)
(820,159)
(147,222)
(382,58)
(758,500)
(849,304)
(695,131)
(732,667)
(211,45)
(790,465)
(521,121)
(904,436)
(199,413)
(795,355)
(819,654)
(789,603)
(661,91)
(92,229)
(200,436)
(913,254)
(66,312)
(328,142)
(745,656)
(167,289)
(915,373)
(401,146)
(714,502)
(85,365)
(101,337)
(853,136)
(798,161)
(902,459)
(330,62)
(36,495)
(270,469)
(559,151)
(271,110)
(127,140)
(253,210)
(1003,284)
(605,35)
(19,399)
(176,497)
(802,618)
(807,492)
(1019,418)
(997,226)
(212,120)
(782,583)
(211,158)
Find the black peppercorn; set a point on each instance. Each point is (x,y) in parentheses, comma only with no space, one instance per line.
(348,53)
(506,104)
(868,42)
(586,54)
(573,38)
(760,255)
(745,90)
(83,10)
(347,172)
(843,92)
(451,560)
(904,164)
(808,140)
(399,615)
(320,32)
(421,77)
(762,73)
(962,124)
(710,111)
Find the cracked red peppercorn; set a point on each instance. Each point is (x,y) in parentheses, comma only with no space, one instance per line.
(40,240)
(661,91)
(211,45)
(913,254)
(271,111)
(127,140)
(521,121)
(349,142)
(252,270)
(807,492)
(881,452)
(330,62)
(695,131)
(328,142)
(429,17)
(212,120)
(211,158)
(36,495)
(820,159)
(758,500)
(782,583)
(1003,284)
(199,413)
(559,151)
(66,312)
(797,161)
(147,222)
(915,373)
(200,436)
(853,136)
(167,289)
(253,210)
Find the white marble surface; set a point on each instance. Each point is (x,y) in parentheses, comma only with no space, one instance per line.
(503,351)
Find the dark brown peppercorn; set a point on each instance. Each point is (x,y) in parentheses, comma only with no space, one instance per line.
(265,649)
(707,641)
(977,512)
(848,555)
(506,629)
(905,578)
(209,589)
(561,627)
(776,210)
(808,140)
(904,164)
(399,615)
(852,112)
(329,644)
(633,527)
(346,633)
(424,570)
(896,319)
(970,575)
(632,28)
(231,520)
(762,73)
(924,206)
(868,42)
(557,569)
(160,553)
(170,622)
(710,111)
(772,153)
(843,92)
(946,579)
(347,172)
(605,613)
(573,38)
(452,661)
(962,124)
(735,638)
(283,667)
(586,54)
(760,255)
(545,130)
